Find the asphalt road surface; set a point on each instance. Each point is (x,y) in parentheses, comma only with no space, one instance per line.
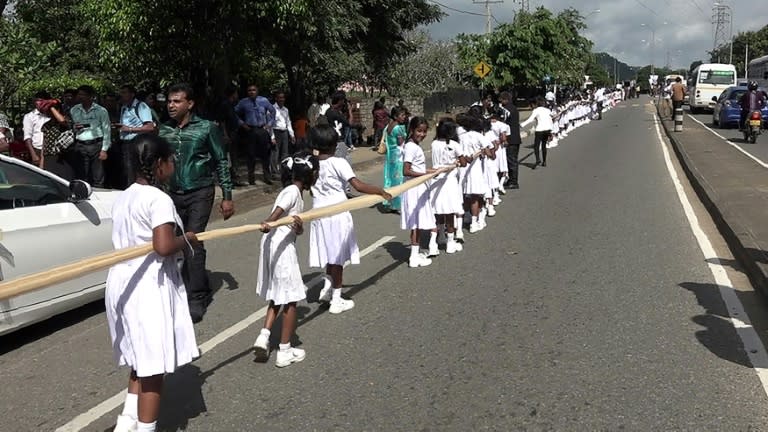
(759,149)
(587,304)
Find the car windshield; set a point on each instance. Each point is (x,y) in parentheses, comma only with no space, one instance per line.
(737,94)
(716,77)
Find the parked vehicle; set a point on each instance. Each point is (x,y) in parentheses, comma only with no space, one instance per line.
(727,108)
(707,81)
(47,221)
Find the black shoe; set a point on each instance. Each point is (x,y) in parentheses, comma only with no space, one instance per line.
(197,309)
(543,164)
(267,179)
(513,186)
(251,179)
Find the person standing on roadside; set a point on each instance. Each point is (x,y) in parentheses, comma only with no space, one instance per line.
(33,128)
(199,151)
(338,120)
(93,137)
(257,118)
(512,119)
(283,136)
(679,90)
(135,119)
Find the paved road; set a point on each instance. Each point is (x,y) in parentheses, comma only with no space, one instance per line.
(585,305)
(735,137)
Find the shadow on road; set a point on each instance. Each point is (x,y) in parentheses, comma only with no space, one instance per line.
(718,335)
(219,280)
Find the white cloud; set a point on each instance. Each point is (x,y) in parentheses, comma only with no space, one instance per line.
(683,28)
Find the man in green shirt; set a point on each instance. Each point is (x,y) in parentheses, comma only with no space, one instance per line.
(92,137)
(199,151)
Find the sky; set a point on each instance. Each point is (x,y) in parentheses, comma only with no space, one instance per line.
(683,29)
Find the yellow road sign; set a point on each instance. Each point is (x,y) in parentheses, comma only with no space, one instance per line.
(482,69)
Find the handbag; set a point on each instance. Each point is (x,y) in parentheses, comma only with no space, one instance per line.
(382,150)
(56,138)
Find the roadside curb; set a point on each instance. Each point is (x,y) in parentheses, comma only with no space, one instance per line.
(739,244)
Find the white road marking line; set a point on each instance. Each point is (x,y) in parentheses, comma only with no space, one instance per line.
(102,409)
(737,315)
(732,144)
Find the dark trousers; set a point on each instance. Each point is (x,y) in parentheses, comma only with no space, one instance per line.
(676,105)
(283,148)
(194,208)
(513,152)
(60,164)
(258,146)
(599,110)
(540,144)
(88,167)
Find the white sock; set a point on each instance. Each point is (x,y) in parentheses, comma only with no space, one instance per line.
(458,221)
(131,406)
(414,251)
(474,219)
(266,331)
(450,236)
(432,238)
(336,294)
(147,427)
(285,346)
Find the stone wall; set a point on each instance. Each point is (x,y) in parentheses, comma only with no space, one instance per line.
(363,116)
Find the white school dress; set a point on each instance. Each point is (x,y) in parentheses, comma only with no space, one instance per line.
(501,154)
(489,165)
(279,278)
(446,194)
(332,239)
(461,172)
(474,179)
(416,209)
(145,298)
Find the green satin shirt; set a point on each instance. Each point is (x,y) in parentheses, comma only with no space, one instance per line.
(199,151)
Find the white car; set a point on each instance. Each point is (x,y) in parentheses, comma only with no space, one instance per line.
(46,221)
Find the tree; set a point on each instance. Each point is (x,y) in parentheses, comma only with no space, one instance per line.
(694,65)
(431,67)
(23,58)
(758,47)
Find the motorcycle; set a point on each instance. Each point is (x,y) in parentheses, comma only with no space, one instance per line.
(753,127)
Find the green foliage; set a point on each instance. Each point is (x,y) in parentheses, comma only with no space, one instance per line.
(23,58)
(56,82)
(533,46)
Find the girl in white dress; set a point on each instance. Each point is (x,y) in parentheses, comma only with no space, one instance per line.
(279,278)
(446,194)
(502,130)
(492,141)
(332,240)
(146,302)
(417,213)
(475,149)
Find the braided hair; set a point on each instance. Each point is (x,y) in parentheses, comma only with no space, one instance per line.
(302,166)
(146,151)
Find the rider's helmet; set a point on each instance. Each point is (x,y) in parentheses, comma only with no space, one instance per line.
(752,85)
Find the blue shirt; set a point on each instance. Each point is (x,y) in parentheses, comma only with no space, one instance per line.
(97,119)
(134,116)
(256,112)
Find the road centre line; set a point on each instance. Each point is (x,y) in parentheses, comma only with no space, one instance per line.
(732,144)
(84,420)
(738,317)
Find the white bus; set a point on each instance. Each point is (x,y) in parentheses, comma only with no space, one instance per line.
(708,80)
(758,71)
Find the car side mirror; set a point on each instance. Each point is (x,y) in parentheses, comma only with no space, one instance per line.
(79,190)
(714,98)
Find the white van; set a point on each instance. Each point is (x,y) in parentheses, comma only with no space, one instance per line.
(707,81)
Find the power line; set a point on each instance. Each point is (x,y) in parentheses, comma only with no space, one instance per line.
(456,10)
(643,5)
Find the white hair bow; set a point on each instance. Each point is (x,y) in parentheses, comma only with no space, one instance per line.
(290,161)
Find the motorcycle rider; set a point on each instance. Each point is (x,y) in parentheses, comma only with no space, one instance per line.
(752,100)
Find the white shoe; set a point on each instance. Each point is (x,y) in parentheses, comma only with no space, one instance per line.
(433,251)
(341,305)
(474,227)
(453,247)
(325,292)
(261,346)
(289,357)
(459,234)
(491,211)
(419,260)
(503,190)
(126,424)
(496,201)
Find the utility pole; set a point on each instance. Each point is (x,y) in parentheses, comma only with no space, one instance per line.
(488,4)
(723,28)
